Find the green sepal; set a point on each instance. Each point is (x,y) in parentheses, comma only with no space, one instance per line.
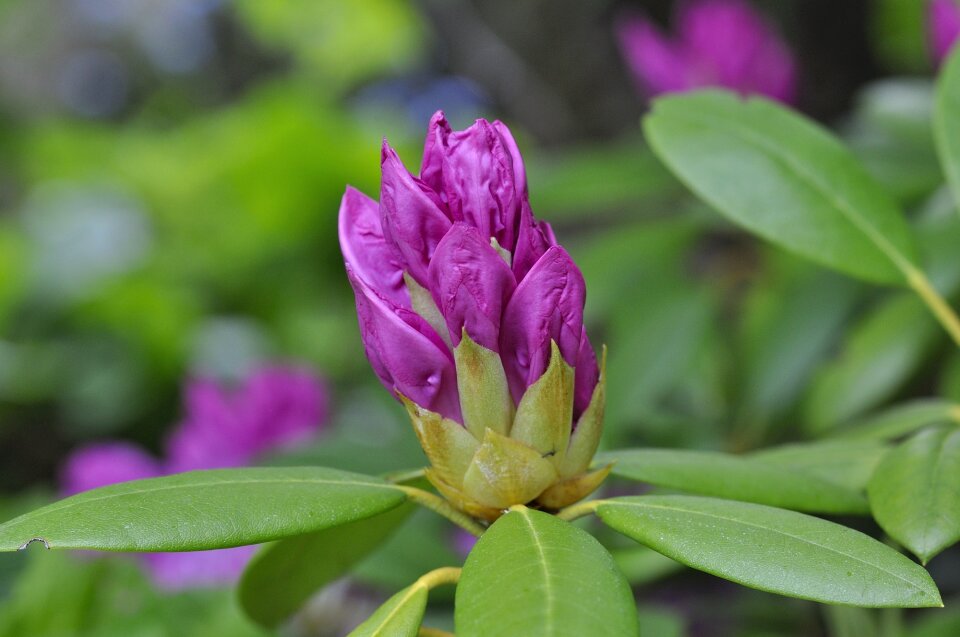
(586,435)
(505,472)
(482,384)
(545,413)
(566,492)
(448,446)
(423,304)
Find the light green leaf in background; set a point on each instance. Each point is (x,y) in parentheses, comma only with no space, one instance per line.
(400,616)
(915,492)
(773,550)
(204,510)
(535,575)
(946,121)
(736,478)
(846,462)
(283,575)
(784,178)
(900,420)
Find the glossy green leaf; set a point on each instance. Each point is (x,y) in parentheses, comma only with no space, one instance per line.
(915,492)
(534,575)
(784,178)
(736,478)
(400,616)
(846,462)
(204,510)
(946,121)
(900,420)
(773,550)
(306,563)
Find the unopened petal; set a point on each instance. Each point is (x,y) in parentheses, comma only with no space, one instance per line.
(366,250)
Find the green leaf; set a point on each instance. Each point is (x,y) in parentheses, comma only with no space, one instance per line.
(876,358)
(306,563)
(203,510)
(773,550)
(534,575)
(900,420)
(946,121)
(915,492)
(846,462)
(737,478)
(400,616)
(784,178)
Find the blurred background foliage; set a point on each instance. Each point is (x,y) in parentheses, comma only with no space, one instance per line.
(170,175)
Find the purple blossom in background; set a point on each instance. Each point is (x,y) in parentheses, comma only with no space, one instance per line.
(273,408)
(943,26)
(723,43)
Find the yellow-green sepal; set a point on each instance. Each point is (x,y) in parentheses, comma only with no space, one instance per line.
(485,399)
(566,492)
(505,472)
(449,447)
(423,304)
(586,435)
(545,412)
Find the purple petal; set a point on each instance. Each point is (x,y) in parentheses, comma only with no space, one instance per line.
(282,406)
(406,353)
(434,149)
(943,26)
(198,569)
(533,240)
(212,434)
(478,178)
(471,283)
(658,64)
(732,45)
(410,214)
(586,375)
(519,172)
(365,249)
(100,464)
(548,305)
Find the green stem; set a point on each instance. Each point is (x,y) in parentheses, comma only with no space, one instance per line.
(936,303)
(399,477)
(442,507)
(579,510)
(433,632)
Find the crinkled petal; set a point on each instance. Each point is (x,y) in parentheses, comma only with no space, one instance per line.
(434,149)
(478,180)
(411,216)
(471,284)
(943,26)
(406,353)
(97,465)
(658,64)
(366,250)
(519,172)
(533,240)
(547,305)
(586,375)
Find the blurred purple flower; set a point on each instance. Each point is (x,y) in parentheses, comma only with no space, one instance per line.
(273,408)
(723,43)
(943,26)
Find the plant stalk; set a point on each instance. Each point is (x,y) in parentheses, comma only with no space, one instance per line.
(442,507)
(936,303)
(440,577)
(579,510)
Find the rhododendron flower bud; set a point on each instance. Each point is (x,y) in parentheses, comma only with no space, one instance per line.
(723,43)
(943,26)
(472,315)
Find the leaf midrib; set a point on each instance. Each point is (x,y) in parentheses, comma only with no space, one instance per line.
(549,601)
(900,261)
(769,530)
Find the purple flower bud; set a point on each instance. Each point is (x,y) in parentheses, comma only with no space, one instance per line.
(718,43)
(943,26)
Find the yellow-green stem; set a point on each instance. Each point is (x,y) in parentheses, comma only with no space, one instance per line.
(440,577)
(579,510)
(442,507)
(433,632)
(938,306)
